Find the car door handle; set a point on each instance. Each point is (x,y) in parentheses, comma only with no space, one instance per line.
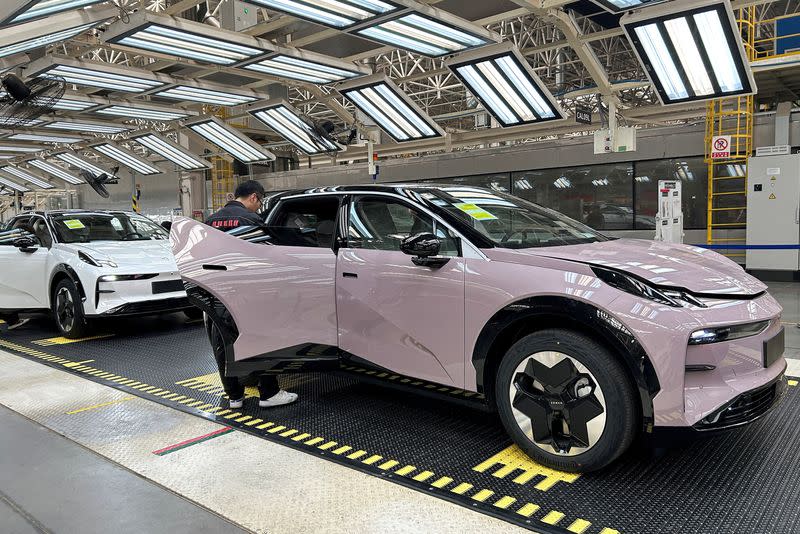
(210,267)
(349,275)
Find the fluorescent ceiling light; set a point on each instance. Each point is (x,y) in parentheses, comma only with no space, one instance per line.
(13,185)
(218,97)
(431,33)
(16,11)
(90,127)
(56,171)
(184,39)
(40,41)
(691,50)
(44,138)
(25,176)
(234,143)
(21,149)
(80,163)
(287,122)
(73,104)
(334,13)
(506,85)
(619,6)
(15,123)
(379,98)
(172,152)
(103,76)
(305,70)
(127,158)
(150,113)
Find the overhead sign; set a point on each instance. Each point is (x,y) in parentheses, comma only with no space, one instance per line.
(721,147)
(583,115)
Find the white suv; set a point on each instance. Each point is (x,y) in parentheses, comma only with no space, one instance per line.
(82,265)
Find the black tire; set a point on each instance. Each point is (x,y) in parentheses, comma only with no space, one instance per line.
(68,310)
(193,313)
(621,408)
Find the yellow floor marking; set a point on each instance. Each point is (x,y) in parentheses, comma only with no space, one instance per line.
(301,437)
(276,429)
(579,526)
(77,364)
(372,459)
(403,471)
(528,510)
(223,412)
(341,450)
(356,455)
(422,477)
(314,441)
(187,400)
(505,502)
(97,406)
(253,422)
(232,415)
(462,488)
(553,517)
(482,495)
(793,382)
(609,531)
(265,425)
(194,404)
(329,445)
(243,419)
(512,459)
(171,396)
(288,433)
(388,465)
(205,407)
(442,482)
(66,341)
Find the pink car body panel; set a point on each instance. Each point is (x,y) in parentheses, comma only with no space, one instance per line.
(425,323)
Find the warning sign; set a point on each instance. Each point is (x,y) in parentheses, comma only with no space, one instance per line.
(772,196)
(721,147)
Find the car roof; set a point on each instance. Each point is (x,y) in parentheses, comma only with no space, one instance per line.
(385,188)
(77,212)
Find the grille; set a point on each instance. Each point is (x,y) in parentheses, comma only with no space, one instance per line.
(745,408)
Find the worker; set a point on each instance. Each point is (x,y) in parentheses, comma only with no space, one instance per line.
(243,211)
(12,320)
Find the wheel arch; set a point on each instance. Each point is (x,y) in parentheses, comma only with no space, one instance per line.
(534,314)
(61,272)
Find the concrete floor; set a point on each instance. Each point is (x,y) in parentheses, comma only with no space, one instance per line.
(77,456)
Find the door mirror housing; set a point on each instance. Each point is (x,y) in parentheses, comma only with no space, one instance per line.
(26,244)
(425,249)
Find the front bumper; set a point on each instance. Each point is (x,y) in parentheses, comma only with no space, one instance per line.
(745,408)
(152,293)
(148,307)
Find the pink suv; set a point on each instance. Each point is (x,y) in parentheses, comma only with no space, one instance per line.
(580,341)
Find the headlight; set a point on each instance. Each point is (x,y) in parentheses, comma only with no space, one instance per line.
(634,286)
(84,257)
(726,333)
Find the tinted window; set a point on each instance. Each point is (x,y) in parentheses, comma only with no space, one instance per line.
(305,222)
(381,223)
(600,196)
(693,175)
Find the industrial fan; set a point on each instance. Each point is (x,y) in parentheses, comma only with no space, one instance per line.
(99,182)
(326,131)
(21,103)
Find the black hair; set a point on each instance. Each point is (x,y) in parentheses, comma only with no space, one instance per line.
(245,189)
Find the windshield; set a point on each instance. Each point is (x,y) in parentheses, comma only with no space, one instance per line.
(88,227)
(511,222)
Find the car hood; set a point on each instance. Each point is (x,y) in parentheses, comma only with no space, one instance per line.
(666,264)
(142,256)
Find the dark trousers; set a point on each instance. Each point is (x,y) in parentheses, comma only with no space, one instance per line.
(267,384)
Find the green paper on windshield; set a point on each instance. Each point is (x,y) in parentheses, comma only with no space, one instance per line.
(475,211)
(73,224)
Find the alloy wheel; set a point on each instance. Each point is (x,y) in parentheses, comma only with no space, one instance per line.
(65,309)
(558,403)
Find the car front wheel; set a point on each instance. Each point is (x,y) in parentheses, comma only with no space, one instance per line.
(68,310)
(566,401)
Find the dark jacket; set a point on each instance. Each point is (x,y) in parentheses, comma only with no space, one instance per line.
(234,215)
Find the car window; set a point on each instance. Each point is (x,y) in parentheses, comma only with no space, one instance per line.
(304,222)
(41,231)
(381,223)
(79,227)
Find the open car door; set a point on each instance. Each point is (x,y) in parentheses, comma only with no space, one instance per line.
(272,302)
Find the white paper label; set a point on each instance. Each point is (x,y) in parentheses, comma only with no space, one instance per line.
(774,172)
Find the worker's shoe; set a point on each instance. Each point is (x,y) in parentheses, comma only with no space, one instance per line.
(17,323)
(279,399)
(236,404)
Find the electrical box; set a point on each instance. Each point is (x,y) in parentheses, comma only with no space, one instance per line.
(669,220)
(237,15)
(623,139)
(773,212)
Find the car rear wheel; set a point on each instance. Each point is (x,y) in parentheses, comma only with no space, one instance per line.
(566,401)
(68,310)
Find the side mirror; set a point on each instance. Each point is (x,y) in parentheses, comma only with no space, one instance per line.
(425,249)
(26,244)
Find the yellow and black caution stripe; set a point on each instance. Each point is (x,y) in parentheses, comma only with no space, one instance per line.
(49,342)
(422,384)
